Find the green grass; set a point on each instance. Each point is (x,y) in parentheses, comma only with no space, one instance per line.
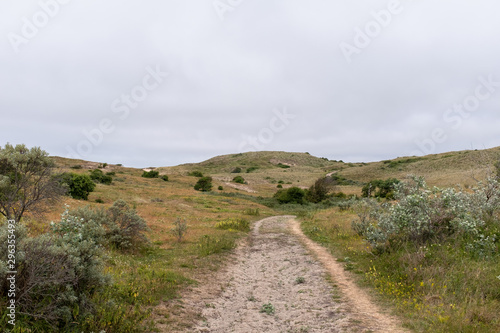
(434,288)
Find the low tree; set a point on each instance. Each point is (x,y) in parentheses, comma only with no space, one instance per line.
(319,191)
(204,184)
(26,180)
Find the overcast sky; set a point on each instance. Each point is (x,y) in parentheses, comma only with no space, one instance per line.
(163,82)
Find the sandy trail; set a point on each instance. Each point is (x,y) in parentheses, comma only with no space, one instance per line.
(268,268)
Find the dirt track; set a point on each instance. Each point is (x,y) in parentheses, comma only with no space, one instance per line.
(278,265)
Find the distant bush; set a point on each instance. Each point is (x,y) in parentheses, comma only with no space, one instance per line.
(99,177)
(236,170)
(99,200)
(164,177)
(77,166)
(279,186)
(150,174)
(79,186)
(102,166)
(111,173)
(204,184)
(380,188)
(220,188)
(291,195)
(179,229)
(239,180)
(319,191)
(283,166)
(252,168)
(195,174)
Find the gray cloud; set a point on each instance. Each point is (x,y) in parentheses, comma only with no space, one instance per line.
(227,76)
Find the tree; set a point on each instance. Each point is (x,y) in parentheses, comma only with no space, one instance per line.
(319,191)
(26,180)
(204,184)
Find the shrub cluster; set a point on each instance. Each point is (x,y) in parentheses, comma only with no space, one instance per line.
(380,188)
(99,177)
(195,174)
(423,215)
(150,174)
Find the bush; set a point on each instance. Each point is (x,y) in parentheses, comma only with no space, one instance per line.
(385,188)
(126,227)
(76,167)
(422,215)
(179,229)
(236,170)
(57,272)
(79,186)
(204,184)
(195,174)
(283,166)
(150,174)
(164,177)
(319,191)
(233,224)
(120,226)
(250,169)
(99,177)
(239,180)
(220,188)
(291,195)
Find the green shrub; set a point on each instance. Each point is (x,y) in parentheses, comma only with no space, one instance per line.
(126,228)
(121,227)
(291,195)
(195,174)
(233,224)
(76,167)
(236,170)
(380,188)
(283,166)
(204,184)
(111,173)
(252,168)
(57,273)
(220,188)
(99,177)
(79,186)
(239,180)
(164,177)
(422,215)
(150,174)
(99,200)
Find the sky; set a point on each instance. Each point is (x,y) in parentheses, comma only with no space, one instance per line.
(161,83)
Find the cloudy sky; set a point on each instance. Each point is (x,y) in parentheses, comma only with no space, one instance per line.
(157,83)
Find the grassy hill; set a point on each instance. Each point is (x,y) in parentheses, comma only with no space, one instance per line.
(160,273)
